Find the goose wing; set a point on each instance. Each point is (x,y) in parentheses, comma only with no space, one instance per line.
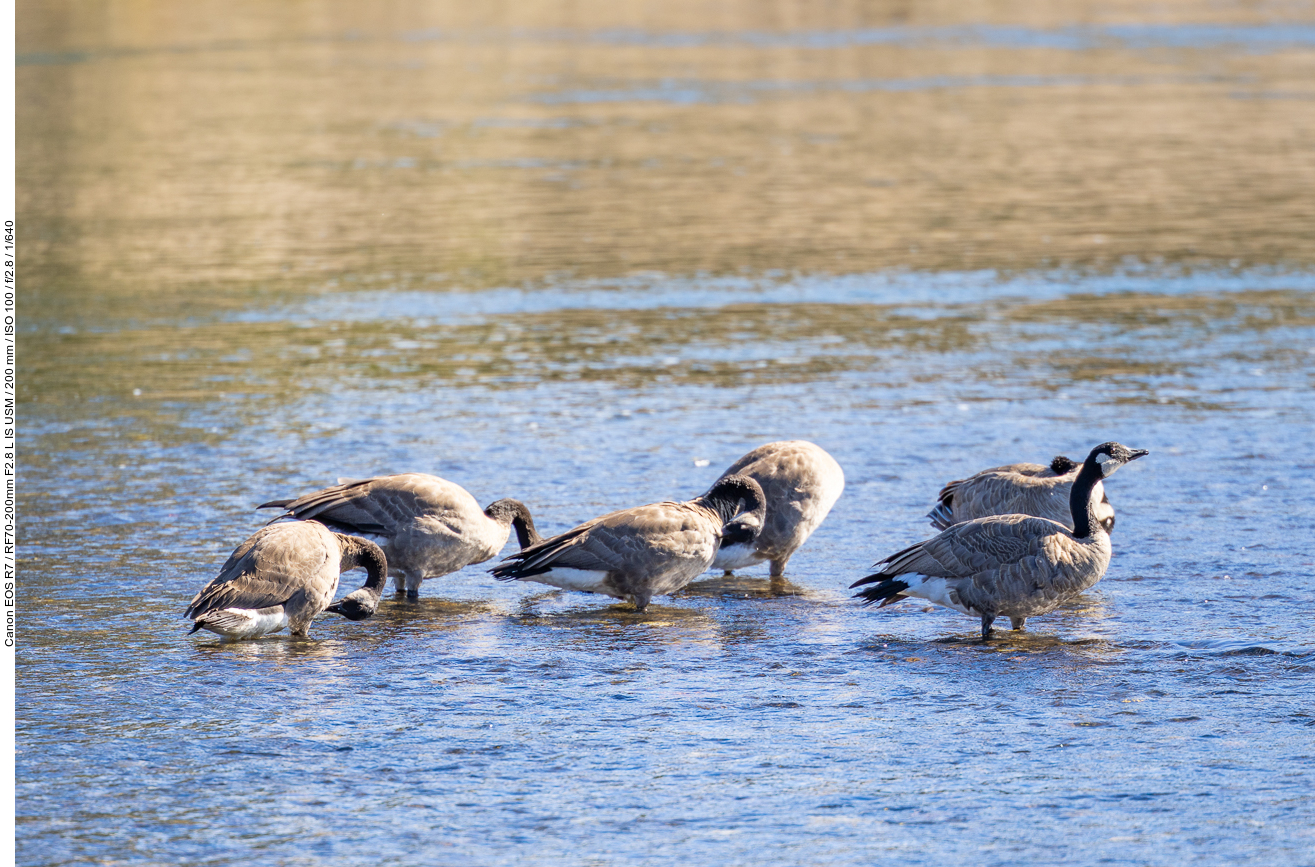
(270,568)
(382,506)
(1023,469)
(1029,471)
(641,539)
(969,548)
(998,492)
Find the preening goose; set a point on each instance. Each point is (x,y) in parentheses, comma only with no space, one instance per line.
(282,577)
(800,483)
(1017,489)
(1014,566)
(427,526)
(646,551)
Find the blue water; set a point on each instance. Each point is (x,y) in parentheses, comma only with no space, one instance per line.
(1165,716)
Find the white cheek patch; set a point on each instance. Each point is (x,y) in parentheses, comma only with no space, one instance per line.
(1107,464)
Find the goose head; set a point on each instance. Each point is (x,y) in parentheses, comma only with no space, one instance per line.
(740,502)
(357,605)
(1084,505)
(358,552)
(516,514)
(1108,457)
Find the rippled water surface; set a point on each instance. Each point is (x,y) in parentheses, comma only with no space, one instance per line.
(587,258)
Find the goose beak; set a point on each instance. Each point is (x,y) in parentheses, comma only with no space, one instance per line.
(354,611)
(1138,453)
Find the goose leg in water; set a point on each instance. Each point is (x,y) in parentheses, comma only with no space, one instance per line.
(641,601)
(413,585)
(778,567)
(1016,623)
(987,620)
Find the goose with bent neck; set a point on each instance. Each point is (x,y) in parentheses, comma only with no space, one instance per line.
(1014,566)
(646,551)
(427,526)
(282,577)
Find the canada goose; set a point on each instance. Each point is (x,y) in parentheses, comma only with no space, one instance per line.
(646,551)
(1017,489)
(427,526)
(1014,566)
(800,482)
(283,576)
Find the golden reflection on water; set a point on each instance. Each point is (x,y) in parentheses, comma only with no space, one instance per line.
(727,346)
(185,157)
(742,587)
(276,650)
(1258,310)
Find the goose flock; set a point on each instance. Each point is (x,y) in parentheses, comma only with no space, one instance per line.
(1015,541)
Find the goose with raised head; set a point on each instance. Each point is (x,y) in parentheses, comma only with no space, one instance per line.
(1017,489)
(427,526)
(800,483)
(1015,566)
(636,554)
(284,575)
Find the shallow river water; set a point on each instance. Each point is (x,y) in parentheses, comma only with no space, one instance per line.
(587,260)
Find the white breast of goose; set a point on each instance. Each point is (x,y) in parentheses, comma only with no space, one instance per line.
(583,580)
(244,623)
(738,556)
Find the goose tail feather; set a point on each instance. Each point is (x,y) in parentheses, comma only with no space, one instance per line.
(886,591)
(508,571)
(941,516)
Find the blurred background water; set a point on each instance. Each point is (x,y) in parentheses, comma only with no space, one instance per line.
(586,255)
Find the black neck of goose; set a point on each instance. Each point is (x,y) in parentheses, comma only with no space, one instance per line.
(725,509)
(362,553)
(526,534)
(514,512)
(1080,502)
